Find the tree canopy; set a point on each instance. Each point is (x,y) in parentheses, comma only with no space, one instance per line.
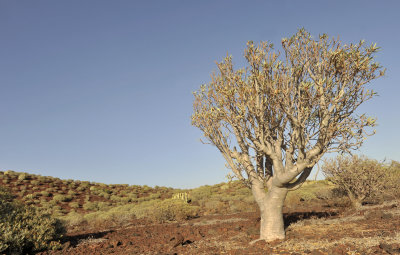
(281,113)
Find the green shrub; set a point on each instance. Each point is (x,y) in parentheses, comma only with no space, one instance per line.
(35,182)
(240,206)
(214,206)
(42,179)
(170,210)
(74,205)
(166,210)
(154,196)
(5,195)
(10,173)
(81,188)
(51,190)
(45,193)
(104,194)
(62,198)
(122,200)
(26,229)
(93,188)
(103,205)
(84,184)
(133,196)
(29,196)
(22,176)
(90,206)
(73,219)
(201,193)
(72,193)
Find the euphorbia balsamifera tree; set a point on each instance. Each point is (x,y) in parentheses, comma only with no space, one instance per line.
(275,118)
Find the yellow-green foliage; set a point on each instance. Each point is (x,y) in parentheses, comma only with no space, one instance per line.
(62,198)
(73,219)
(229,197)
(45,193)
(154,210)
(311,190)
(169,210)
(201,193)
(22,176)
(35,182)
(166,210)
(90,206)
(74,205)
(26,229)
(96,206)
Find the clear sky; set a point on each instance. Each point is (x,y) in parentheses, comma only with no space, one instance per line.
(102,90)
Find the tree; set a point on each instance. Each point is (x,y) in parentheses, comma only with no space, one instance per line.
(357,176)
(275,118)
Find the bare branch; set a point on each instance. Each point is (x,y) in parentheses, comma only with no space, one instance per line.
(277,117)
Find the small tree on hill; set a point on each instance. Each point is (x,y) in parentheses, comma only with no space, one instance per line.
(274,119)
(359,177)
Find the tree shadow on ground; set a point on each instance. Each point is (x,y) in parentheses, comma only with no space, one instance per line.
(294,217)
(76,239)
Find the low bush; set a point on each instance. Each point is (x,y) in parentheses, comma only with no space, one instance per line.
(45,193)
(73,219)
(26,229)
(214,207)
(90,206)
(170,210)
(241,206)
(74,205)
(29,196)
(22,177)
(359,177)
(62,198)
(81,188)
(392,179)
(154,210)
(35,182)
(72,193)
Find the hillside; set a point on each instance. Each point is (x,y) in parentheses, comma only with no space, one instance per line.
(222,218)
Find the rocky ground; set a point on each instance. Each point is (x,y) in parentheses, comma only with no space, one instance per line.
(310,230)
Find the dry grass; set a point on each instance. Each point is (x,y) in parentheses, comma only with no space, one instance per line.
(215,221)
(364,242)
(352,230)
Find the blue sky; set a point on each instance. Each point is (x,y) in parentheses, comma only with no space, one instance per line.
(102,90)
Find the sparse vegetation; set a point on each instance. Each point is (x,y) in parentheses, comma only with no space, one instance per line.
(357,176)
(25,229)
(93,209)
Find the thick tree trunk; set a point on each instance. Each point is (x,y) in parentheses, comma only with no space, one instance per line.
(270,204)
